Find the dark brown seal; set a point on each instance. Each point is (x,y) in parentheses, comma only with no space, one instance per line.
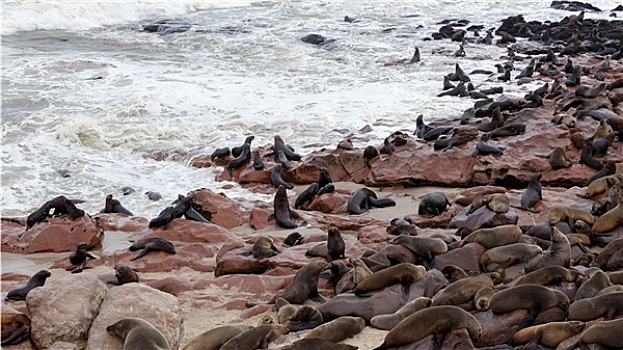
(494,237)
(264,248)
(37,280)
(558,253)
(138,334)
(215,337)
(279,145)
(79,257)
(305,284)
(423,247)
(339,329)
(239,161)
(532,195)
(550,275)
(306,317)
(151,244)
(306,196)
(282,212)
(237,151)
(258,337)
(61,206)
(569,215)
(114,206)
(275,178)
(611,219)
(363,199)
(335,245)
(124,274)
(15,328)
(598,280)
(433,203)
(369,153)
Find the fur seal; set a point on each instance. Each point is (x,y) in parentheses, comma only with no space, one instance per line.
(282,212)
(437,320)
(569,215)
(114,206)
(558,158)
(532,194)
(37,280)
(388,322)
(285,310)
(608,169)
(335,245)
(15,328)
(237,151)
(607,333)
(304,285)
(215,337)
(124,274)
(611,219)
(306,196)
(315,344)
(609,250)
(324,177)
(181,208)
(509,255)
(601,145)
(420,126)
(221,154)
(433,203)
(483,147)
(264,248)
(280,158)
(363,199)
(339,329)
(496,202)
(239,161)
(608,306)
(549,334)
(255,338)
(369,153)
(398,226)
(494,237)
(257,164)
(558,253)
(404,274)
(306,317)
(423,247)
(482,298)
(138,334)
(550,275)
(532,297)
(586,156)
(79,257)
(453,273)
(151,244)
(597,281)
(279,145)
(461,291)
(61,206)
(360,270)
(275,178)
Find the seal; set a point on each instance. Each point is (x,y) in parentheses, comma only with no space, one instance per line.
(360,270)
(304,285)
(461,291)
(79,257)
(387,322)
(306,196)
(293,239)
(61,206)
(558,253)
(482,298)
(264,248)
(483,147)
(275,178)
(215,337)
(608,306)
(586,156)
(494,237)
(182,206)
(335,245)
(437,320)
(570,215)
(601,130)
(609,250)
(423,247)
(282,211)
(285,310)
(609,168)
(550,275)
(508,255)
(221,154)
(606,333)
(532,194)
(611,219)
(151,244)
(388,147)
(601,145)
(37,280)
(363,199)
(496,202)
(114,206)
(15,328)
(124,274)
(597,281)
(404,274)
(280,158)
(324,178)
(420,126)
(558,159)
(306,317)
(616,288)
(532,297)
(138,334)
(453,273)
(433,203)
(319,250)
(239,161)
(339,329)
(315,344)
(254,338)
(550,334)
(257,164)
(237,151)
(279,145)
(369,153)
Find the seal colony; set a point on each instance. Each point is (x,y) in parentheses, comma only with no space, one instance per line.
(474,264)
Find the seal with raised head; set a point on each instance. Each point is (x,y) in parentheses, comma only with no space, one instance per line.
(532,194)
(608,306)
(275,177)
(221,154)
(215,337)
(282,212)
(239,161)
(360,270)
(237,151)
(494,236)
(550,334)
(453,273)
(15,328)
(257,164)
(404,274)
(37,280)
(114,206)
(138,334)
(335,245)
(151,244)
(324,177)
(611,219)
(304,285)
(607,333)
(279,145)
(61,206)
(306,196)
(496,202)
(369,153)
(558,253)
(339,329)
(433,203)
(124,274)
(437,320)
(264,248)
(483,147)
(79,257)
(508,255)
(255,338)
(390,321)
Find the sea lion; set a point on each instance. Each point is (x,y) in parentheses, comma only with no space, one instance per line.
(324,177)
(306,196)
(138,334)
(239,161)
(570,215)
(215,337)
(275,178)
(337,330)
(37,280)
(496,202)
(237,151)
(221,154)
(114,206)
(293,239)
(79,257)
(550,275)
(611,219)
(558,158)
(608,306)
(306,317)
(532,194)
(255,338)
(601,145)
(437,320)
(508,130)
(388,147)
(282,211)
(482,298)
(363,199)
(257,164)
(508,255)
(597,281)
(609,250)
(335,245)
(264,248)
(304,285)
(181,208)
(433,203)
(550,334)
(483,147)
(279,145)
(558,253)
(447,143)
(532,297)
(151,244)
(423,247)
(590,92)
(494,237)
(607,333)
(61,206)
(404,274)
(399,226)
(616,261)
(15,328)
(124,274)
(388,322)
(316,344)
(461,291)
(369,153)
(360,270)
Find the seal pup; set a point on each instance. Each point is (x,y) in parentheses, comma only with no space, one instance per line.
(437,320)
(282,212)
(558,159)
(264,248)
(433,203)
(550,334)
(79,257)
(305,317)
(306,196)
(285,310)
(293,239)
(151,244)
(138,334)
(335,245)
(275,177)
(532,194)
(404,274)
(15,328)
(304,285)
(239,161)
(387,322)
(37,280)
(496,202)
(338,330)
(124,274)
(114,206)
(215,337)
(255,338)
(237,151)
(570,215)
(482,298)
(258,164)
(324,178)
(607,333)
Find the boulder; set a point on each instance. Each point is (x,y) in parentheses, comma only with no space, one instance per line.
(466,257)
(217,208)
(187,231)
(120,222)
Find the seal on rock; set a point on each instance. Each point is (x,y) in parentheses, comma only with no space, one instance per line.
(151,244)
(264,248)
(275,177)
(558,253)
(388,322)
(611,219)
(215,337)
(315,344)
(282,212)
(306,196)
(433,203)
(404,274)
(138,334)
(335,245)
(360,270)
(532,194)
(79,257)
(606,333)
(304,285)
(550,275)
(114,206)
(423,247)
(508,255)
(494,236)
(461,291)
(339,329)
(124,274)
(550,334)
(608,306)
(37,280)
(240,161)
(496,202)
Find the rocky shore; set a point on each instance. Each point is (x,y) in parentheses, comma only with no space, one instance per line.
(213,276)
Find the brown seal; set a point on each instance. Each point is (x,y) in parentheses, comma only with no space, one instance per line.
(433,320)
(369,153)
(335,245)
(360,270)
(404,274)
(282,212)
(608,306)
(509,255)
(598,280)
(364,198)
(601,185)
(306,317)
(388,322)
(319,250)
(558,158)
(558,253)
(138,334)
(532,195)
(601,130)
(532,297)
(339,329)
(316,344)
(151,244)
(453,273)
(496,202)
(423,247)
(114,206)
(264,248)
(606,333)
(79,257)
(215,337)
(617,288)
(482,298)
(275,177)
(258,337)
(285,310)
(609,250)
(550,275)
(279,145)
(549,334)
(433,203)
(61,206)
(124,274)
(240,161)
(15,328)
(37,280)
(569,215)
(494,237)
(304,285)
(461,291)
(612,219)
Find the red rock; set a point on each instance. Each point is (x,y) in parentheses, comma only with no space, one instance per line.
(174,285)
(231,263)
(258,218)
(120,222)
(231,243)
(343,165)
(188,231)
(331,203)
(56,234)
(483,217)
(217,208)
(466,257)
(159,261)
(374,234)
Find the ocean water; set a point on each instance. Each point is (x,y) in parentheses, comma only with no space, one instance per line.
(86,90)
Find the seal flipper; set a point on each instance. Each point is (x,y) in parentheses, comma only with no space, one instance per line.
(529,319)
(271,217)
(438,339)
(141,254)
(318,298)
(294,215)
